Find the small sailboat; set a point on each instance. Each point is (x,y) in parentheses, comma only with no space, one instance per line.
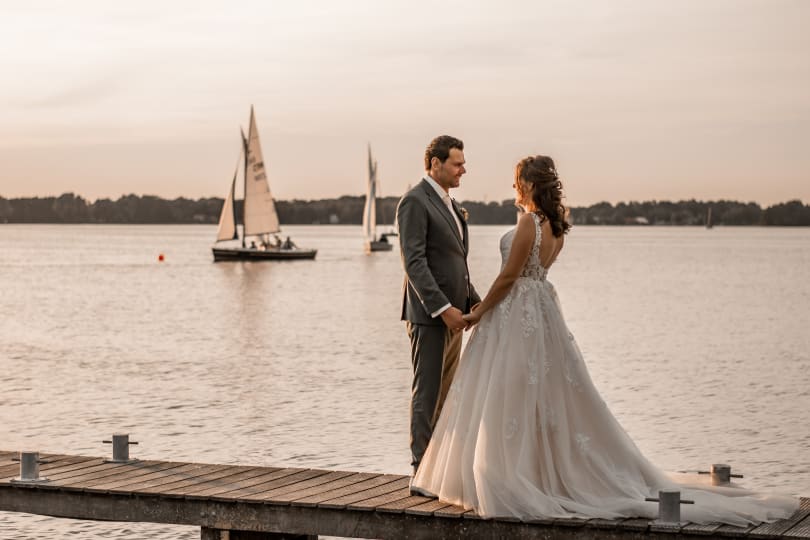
(259,217)
(373,243)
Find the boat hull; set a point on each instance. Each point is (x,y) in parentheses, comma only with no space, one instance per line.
(254,254)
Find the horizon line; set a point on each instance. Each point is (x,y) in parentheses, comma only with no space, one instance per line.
(484,201)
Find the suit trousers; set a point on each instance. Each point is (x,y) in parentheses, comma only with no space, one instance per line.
(435,351)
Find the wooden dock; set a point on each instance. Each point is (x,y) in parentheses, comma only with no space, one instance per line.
(251,503)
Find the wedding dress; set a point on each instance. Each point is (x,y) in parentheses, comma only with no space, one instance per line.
(524,432)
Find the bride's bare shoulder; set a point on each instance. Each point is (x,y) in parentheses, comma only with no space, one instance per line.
(526,221)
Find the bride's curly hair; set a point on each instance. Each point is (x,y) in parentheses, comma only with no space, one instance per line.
(546,190)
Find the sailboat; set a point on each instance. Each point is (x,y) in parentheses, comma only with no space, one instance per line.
(373,243)
(259,217)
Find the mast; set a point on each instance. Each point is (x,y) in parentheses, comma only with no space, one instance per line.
(244,198)
(260,215)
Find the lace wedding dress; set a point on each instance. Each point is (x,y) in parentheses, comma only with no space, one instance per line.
(525,434)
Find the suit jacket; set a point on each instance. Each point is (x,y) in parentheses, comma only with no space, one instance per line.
(434,256)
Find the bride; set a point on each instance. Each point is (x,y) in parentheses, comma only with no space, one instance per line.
(524,432)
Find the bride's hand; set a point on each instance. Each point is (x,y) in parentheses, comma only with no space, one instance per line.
(471,319)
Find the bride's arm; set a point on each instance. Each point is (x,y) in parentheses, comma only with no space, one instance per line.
(521,249)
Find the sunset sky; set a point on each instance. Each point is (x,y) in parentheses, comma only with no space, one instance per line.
(635,100)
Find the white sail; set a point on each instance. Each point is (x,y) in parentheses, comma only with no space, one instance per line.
(227,219)
(370,210)
(260,211)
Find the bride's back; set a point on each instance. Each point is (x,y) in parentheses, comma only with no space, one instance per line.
(550,245)
(544,252)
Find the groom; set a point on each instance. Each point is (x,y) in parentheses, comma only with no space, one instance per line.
(433,242)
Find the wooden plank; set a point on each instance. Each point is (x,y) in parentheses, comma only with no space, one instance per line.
(286,494)
(328,498)
(427,508)
(228,482)
(778,528)
(66,465)
(671,528)
(10,470)
(175,474)
(226,493)
(701,529)
(472,514)
(183,488)
(54,474)
(399,489)
(84,470)
(298,479)
(172,476)
(453,512)
(56,465)
(800,530)
(60,462)
(118,475)
(281,478)
(360,495)
(93,472)
(732,531)
(189,480)
(354,478)
(122,481)
(397,507)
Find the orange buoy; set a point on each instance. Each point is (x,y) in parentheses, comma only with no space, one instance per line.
(160,257)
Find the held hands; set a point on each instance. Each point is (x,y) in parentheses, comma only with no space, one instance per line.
(472,318)
(452,319)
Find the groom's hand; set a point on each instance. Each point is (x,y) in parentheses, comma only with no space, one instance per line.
(472,318)
(452,319)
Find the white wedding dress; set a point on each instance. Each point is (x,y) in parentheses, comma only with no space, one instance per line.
(525,434)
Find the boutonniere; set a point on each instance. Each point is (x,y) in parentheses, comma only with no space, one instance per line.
(462,210)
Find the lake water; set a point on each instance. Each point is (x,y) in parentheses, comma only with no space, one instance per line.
(698,340)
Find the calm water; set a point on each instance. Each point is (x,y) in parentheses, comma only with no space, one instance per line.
(697,339)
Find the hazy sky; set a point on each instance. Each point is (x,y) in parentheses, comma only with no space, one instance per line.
(635,100)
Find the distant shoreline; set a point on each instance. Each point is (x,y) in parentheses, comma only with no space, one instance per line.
(347,210)
(283,225)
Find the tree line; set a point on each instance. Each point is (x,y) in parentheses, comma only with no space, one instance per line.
(70,208)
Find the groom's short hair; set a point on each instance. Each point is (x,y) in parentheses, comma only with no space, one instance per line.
(440,148)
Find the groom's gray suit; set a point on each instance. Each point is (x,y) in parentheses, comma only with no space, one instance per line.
(434,257)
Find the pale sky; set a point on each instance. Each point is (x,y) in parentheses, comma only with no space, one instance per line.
(635,100)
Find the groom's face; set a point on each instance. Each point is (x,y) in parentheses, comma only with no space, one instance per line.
(450,172)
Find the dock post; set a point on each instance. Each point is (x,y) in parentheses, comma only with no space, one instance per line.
(120,443)
(669,505)
(721,474)
(29,468)
(207,533)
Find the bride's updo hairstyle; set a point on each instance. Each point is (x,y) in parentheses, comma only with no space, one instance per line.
(540,174)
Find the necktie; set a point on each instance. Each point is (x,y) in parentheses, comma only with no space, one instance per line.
(449,204)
